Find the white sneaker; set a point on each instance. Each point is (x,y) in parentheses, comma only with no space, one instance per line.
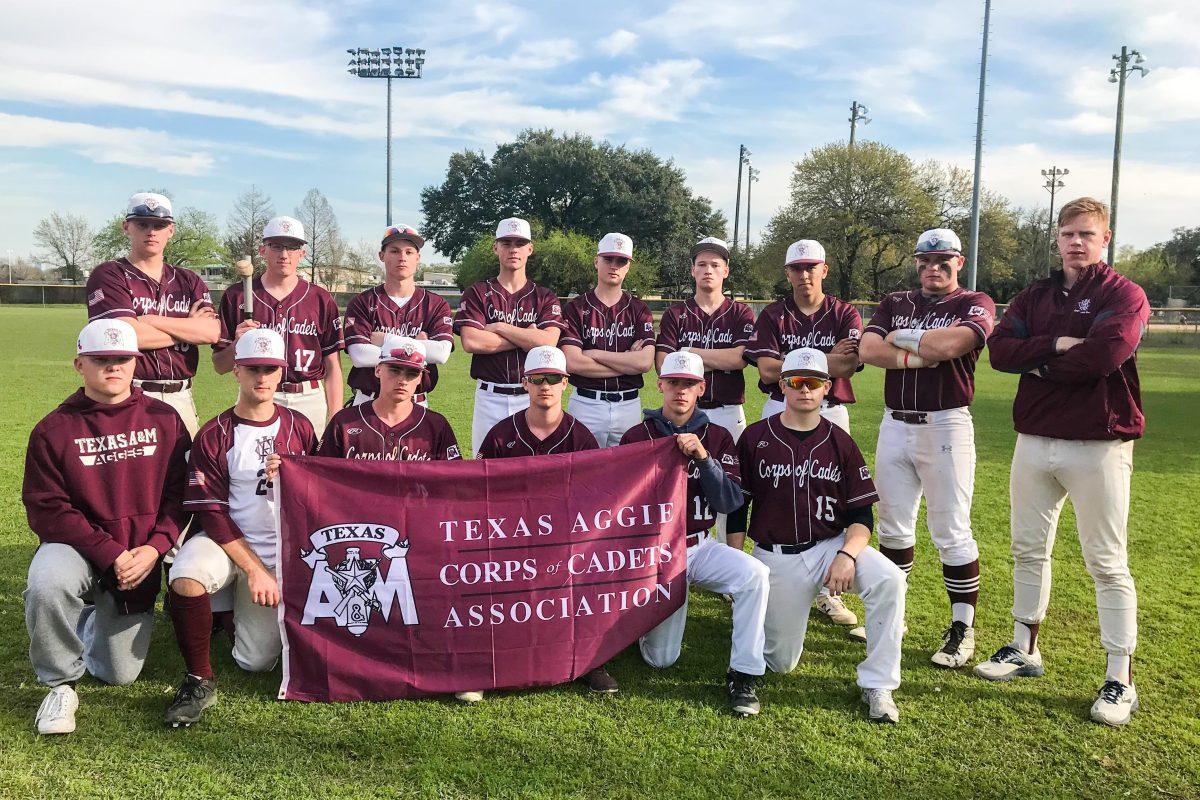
(57,712)
(1115,704)
(1009,662)
(958,645)
(833,607)
(469,697)
(881,706)
(859,634)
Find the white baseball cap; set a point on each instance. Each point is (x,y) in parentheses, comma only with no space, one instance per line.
(404,351)
(805,361)
(682,365)
(107,337)
(513,228)
(805,251)
(545,360)
(939,240)
(713,244)
(150,206)
(615,244)
(260,347)
(284,228)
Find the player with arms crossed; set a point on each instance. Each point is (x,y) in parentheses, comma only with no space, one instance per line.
(501,319)
(103,491)
(399,307)
(928,340)
(713,486)
(809,495)
(303,314)
(1073,337)
(609,344)
(233,461)
(168,307)
(810,318)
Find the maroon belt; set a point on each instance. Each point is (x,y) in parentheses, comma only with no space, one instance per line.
(297,388)
(165,387)
(911,417)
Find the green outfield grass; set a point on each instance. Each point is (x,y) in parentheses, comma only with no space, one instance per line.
(668,733)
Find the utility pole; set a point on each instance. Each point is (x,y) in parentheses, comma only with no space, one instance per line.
(973,257)
(1117,75)
(1053,184)
(858,113)
(743,158)
(751,179)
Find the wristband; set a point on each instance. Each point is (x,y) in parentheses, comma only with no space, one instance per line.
(847,555)
(908,339)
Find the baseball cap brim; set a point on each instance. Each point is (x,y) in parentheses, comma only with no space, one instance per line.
(513,237)
(401,362)
(260,361)
(141,212)
(546,371)
(614,253)
(804,261)
(119,353)
(713,248)
(937,252)
(284,238)
(687,376)
(808,373)
(408,237)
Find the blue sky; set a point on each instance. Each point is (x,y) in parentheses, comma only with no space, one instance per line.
(206,98)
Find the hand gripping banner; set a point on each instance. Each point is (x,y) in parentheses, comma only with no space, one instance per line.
(402,579)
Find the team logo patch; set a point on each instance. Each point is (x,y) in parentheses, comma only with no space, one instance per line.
(513,225)
(112,336)
(150,203)
(370,577)
(556,309)
(452,452)
(264,446)
(728,459)
(855,334)
(262,345)
(1084,307)
(977,311)
(195,478)
(285,227)
(353,431)
(95,297)
(349,321)
(547,357)
(864,473)
(761,445)
(447,320)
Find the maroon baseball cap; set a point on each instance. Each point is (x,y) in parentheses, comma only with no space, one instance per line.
(403,351)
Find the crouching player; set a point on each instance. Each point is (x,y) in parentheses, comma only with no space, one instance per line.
(712,488)
(104,478)
(811,494)
(233,460)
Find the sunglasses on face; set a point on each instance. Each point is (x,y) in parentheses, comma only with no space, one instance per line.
(538,380)
(804,382)
(278,247)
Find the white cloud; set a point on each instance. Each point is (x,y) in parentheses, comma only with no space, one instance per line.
(768,29)
(659,91)
(618,42)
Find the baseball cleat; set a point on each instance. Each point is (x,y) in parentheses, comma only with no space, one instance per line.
(833,607)
(1115,703)
(880,706)
(56,714)
(742,699)
(193,696)
(1009,662)
(858,634)
(469,697)
(958,645)
(598,680)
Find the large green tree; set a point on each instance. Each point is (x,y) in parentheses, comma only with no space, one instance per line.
(196,242)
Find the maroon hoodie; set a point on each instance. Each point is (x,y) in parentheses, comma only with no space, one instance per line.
(107,478)
(1092,390)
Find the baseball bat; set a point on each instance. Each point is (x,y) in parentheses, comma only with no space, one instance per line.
(245,268)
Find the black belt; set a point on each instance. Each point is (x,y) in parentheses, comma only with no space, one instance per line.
(786,549)
(911,417)
(297,388)
(165,387)
(496,389)
(708,405)
(694,539)
(608,397)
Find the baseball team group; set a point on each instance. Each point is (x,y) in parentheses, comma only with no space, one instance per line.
(122,483)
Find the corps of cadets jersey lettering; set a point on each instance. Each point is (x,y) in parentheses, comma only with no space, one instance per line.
(731,325)
(374,311)
(486,302)
(357,432)
(591,325)
(950,384)
(782,327)
(118,289)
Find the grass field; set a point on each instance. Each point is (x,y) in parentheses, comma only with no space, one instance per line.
(667,733)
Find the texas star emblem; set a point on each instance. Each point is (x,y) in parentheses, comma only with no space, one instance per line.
(363,586)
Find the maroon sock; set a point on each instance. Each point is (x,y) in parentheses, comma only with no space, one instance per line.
(192,617)
(902,557)
(223,622)
(962,582)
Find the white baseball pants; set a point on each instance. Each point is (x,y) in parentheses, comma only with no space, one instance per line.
(310,402)
(795,582)
(935,459)
(1095,475)
(491,408)
(718,568)
(607,421)
(183,403)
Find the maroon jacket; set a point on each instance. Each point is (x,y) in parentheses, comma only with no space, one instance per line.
(1092,390)
(107,478)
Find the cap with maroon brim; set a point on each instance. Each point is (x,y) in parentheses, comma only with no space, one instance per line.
(545,360)
(684,366)
(260,347)
(403,351)
(107,337)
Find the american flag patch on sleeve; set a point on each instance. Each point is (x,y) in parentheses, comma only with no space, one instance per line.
(95,297)
(195,478)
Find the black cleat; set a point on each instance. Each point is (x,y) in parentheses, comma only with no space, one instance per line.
(598,680)
(740,688)
(194,695)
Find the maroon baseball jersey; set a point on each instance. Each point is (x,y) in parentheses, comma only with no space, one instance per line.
(951,384)
(357,432)
(108,478)
(591,325)
(307,319)
(486,302)
(373,310)
(511,437)
(782,327)
(118,289)
(1091,391)
(721,449)
(731,325)
(800,487)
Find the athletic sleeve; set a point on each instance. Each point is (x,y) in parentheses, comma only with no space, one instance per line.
(471,309)
(1112,339)
(331,442)
(856,485)
(360,321)
(549,312)
(881,318)
(720,474)
(572,324)
(1011,347)
(744,325)
(851,325)
(979,316)
(668,332)
(448,444)
(208,473)
(108,295)
(331,327)
(199,289)
(765,341)
(645,323)
(439,323)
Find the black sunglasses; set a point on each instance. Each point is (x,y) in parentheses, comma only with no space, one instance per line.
(538,380)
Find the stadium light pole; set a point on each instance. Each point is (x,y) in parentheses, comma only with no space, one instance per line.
(858,113)
(751,179)
(1052,184)
(973,259)
(387,63)
(1128,61)
(743,159)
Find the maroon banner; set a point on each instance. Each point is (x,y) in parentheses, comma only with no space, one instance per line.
(402,579)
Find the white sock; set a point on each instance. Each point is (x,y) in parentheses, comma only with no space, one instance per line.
(1118,668)
(963,612)
(1021,637)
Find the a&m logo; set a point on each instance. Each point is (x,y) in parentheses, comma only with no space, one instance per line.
(547,358)
(112,337)
(359,573)
(150,203)
(1084,307)
(262,346)
(285,226)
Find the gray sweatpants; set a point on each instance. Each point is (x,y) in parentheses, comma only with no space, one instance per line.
(74,625)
